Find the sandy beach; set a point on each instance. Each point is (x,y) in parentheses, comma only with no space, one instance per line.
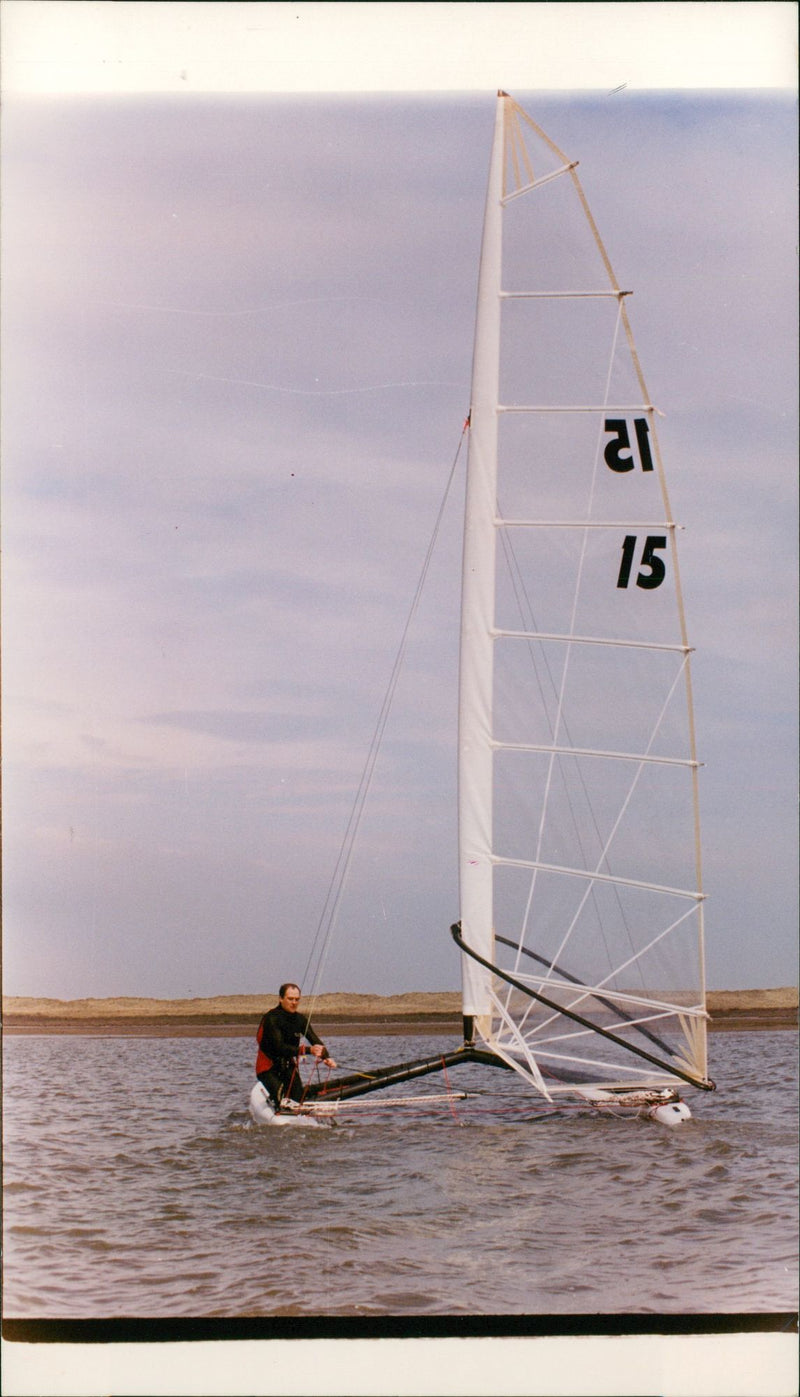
(227,1016)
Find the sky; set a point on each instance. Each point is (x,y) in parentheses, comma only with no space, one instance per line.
(237,346)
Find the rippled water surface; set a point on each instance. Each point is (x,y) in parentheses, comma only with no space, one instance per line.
(136,1185)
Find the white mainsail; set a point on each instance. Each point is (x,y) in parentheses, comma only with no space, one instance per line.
(580,876)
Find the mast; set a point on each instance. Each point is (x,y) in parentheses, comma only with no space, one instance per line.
(477,608)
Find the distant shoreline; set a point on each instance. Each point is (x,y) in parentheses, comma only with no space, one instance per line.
(232,1016)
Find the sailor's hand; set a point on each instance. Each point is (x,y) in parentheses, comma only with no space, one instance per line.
(330,1062)
(317,1049)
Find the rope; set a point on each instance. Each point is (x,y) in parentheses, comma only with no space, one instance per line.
(296,1073)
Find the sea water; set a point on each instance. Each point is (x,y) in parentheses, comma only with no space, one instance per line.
(136,1185)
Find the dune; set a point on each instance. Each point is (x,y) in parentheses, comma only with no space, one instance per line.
(241,1005)
(233,1014)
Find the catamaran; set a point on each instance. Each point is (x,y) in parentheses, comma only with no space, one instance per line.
(580,880)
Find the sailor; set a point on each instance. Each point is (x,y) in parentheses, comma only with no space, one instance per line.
(279,1046)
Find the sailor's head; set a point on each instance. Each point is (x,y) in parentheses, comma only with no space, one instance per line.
(289,996)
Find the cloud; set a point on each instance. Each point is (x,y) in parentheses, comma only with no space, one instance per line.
(238,339)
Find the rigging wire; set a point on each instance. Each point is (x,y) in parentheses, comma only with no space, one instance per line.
(322,938)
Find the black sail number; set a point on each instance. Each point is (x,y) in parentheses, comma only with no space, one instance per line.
(619,456)
(652,567)
(621,442)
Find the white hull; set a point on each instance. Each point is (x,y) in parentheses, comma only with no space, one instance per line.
(263,1112)
(664,1107)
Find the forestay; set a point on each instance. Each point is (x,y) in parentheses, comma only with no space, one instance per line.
(580,880)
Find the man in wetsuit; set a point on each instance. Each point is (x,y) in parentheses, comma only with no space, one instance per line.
(279,1046)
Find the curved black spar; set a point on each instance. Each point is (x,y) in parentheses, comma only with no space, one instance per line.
(704,1083)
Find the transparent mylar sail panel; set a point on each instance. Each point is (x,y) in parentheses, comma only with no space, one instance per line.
(632,938)
(547,242)
(569,1053)
(552,466)
(595,367)
(598,815)
(622,959)
(584,583)
(620,699)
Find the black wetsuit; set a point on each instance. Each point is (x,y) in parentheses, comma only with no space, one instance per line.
(278,1037)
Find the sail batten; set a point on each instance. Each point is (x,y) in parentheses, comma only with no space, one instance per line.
(584,524)
(578,771)
(536,184)
(590,640)
(592,874)
(563,295)
(576,407)
(594,752)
